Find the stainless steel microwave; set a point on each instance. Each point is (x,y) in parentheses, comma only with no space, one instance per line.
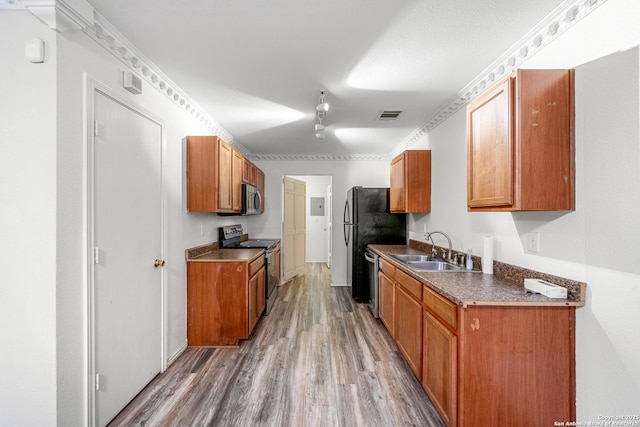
(251,200)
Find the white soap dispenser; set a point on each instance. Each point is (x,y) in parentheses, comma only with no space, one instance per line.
(469,260)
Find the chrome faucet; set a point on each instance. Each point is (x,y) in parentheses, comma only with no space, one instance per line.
(433,246)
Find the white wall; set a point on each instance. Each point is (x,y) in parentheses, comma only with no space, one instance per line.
(345,174)
(78,54)
(597,242)
(43,220)
(27,226)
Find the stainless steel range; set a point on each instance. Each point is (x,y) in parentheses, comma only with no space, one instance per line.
(231,238)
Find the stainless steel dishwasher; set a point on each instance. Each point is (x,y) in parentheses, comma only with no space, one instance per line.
(372,260)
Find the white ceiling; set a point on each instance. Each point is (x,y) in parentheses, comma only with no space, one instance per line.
(257,67)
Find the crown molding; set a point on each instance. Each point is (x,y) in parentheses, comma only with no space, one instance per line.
(64,15)
(103,33)
(319,157)
(550,28)
(61,15)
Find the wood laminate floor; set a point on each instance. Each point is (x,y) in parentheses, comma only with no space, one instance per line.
(318,359)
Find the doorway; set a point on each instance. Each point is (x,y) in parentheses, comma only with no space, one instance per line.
(125,242)
(317,213)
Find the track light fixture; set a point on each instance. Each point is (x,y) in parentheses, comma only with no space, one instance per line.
(321,110)
(322,106)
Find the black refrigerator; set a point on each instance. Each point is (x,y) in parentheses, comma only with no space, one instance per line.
(367,219)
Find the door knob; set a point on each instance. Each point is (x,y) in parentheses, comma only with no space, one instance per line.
(158,263)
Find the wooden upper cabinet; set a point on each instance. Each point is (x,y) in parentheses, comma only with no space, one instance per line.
(210,179)
(237,170)
(260,185)
(411,182)
(520,144)
(214,177)
(225,177)
(250,173)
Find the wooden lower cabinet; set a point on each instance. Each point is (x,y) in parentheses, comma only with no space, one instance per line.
(516,364)
(257,293)
(483,364)
(440,367)
(409,329)
(387,295)
(223,301)
(408,319)
(386,309)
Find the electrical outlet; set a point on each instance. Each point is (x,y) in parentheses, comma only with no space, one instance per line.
(425,227)
(203,229)
(533,242)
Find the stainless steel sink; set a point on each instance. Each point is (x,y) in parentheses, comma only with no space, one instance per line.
(429,263)
(433,266)
(412,258)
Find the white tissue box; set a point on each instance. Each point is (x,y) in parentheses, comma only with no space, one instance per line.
(545,288)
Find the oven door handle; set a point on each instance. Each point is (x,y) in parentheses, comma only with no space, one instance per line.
(368,256)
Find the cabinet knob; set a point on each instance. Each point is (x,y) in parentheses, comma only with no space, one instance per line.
(158,263)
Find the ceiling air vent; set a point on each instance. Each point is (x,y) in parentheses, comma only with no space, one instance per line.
(389,114)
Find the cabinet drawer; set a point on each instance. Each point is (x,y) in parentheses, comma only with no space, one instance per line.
(442,307)
(256,265)
(411,285)
(387,268)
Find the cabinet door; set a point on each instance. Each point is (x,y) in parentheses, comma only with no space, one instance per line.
(440,367)
(256,298)
(253,291)
(260,185)
(249,173)
(386,293)
(236,181)
(261,294)
(217,303)
(397,191)
(225,176)
(246,172)
(408,320)
(411,182)
(202,157)
(490,144)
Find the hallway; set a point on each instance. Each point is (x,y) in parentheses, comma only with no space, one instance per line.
(318,359)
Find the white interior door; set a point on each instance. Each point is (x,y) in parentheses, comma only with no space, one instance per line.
(127,234)
(300,226)
(293,227)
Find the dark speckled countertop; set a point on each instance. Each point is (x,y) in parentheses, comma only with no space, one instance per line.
(211,252)
(477,288)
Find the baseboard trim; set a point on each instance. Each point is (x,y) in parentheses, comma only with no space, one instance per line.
(177,354)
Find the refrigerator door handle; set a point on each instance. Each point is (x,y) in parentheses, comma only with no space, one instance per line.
(347,234)
(345,215)
(347,223)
